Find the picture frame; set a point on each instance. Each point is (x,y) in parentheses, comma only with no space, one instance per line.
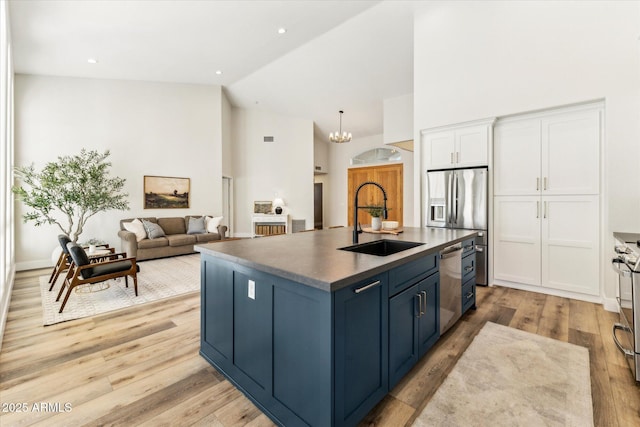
(166,192)
(262,207)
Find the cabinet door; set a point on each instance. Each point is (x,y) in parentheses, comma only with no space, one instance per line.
(361,348)
(517,239)
(404,310)
(439,150)
(216,329)
(516,154)
(570,244)
(429,320)
(472,146)
(252,327)
(571,153)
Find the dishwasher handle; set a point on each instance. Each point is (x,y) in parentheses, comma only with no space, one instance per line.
(450,250)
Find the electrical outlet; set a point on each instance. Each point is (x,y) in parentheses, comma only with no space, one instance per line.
(252,289)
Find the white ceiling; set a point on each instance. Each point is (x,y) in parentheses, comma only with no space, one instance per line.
(347,55)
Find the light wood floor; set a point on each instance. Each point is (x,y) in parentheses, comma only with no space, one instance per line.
(141,366)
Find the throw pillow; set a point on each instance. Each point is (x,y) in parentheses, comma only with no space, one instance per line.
(196,226)
(136,227)
(212,224)
(153,230)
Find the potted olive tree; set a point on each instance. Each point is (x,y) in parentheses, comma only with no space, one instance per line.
(69,191)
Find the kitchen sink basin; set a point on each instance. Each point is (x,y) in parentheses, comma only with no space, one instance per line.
(382,247)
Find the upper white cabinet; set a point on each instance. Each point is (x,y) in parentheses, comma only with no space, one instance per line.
(457,146)
(556,154)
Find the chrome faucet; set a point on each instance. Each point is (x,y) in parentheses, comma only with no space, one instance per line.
(356,207)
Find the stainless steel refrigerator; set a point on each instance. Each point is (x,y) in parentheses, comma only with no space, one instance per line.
(457,198)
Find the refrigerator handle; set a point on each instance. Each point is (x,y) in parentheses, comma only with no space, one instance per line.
(455,186)
(450,197)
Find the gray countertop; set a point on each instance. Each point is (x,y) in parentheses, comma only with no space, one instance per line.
(313,258)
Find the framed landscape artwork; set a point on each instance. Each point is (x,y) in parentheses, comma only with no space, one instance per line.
(166,192)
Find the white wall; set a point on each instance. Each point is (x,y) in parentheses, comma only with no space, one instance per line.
(475,60)
(150,128)
(262,170)
(340,156)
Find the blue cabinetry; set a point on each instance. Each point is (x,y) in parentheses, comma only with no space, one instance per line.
(468,270)
(309,357)
(361,348)
(414,325)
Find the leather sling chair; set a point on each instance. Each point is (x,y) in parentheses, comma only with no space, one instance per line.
(64,260)
(83,271)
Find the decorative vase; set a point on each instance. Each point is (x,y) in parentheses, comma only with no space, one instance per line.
(92,249)
(376,223)
(278,210)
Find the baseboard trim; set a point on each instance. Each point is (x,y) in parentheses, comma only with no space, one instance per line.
(548,291)
(610,304)
(34,265)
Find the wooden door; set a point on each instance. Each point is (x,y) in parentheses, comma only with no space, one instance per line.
(390,177)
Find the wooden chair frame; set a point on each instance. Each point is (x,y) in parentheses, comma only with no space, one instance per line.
(74,277)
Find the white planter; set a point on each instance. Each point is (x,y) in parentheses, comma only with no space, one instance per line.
(376,223)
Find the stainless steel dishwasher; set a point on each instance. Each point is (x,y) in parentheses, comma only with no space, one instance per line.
(450,286)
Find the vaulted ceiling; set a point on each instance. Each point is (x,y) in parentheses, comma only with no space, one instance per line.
(334,55)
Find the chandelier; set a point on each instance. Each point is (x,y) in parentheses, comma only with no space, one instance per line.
(340,136)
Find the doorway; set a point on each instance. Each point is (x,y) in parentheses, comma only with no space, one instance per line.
(390,177)
(318,220)
(227,204)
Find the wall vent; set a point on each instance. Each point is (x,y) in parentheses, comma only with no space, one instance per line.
(269,139)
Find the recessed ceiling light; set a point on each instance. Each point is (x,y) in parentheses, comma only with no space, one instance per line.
(218,72)
(92,61)
(282,30)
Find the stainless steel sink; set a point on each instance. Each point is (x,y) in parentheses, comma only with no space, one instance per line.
(382,247)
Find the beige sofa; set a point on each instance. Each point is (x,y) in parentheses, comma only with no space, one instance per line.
(175,242)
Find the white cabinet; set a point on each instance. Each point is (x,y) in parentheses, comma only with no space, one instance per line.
(549,241)
(457,146)
(517,239)
(555,154)
(546,200)
(569,243)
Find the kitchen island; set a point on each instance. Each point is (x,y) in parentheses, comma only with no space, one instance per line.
(315,335)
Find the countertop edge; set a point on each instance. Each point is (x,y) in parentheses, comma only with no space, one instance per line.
(393,261)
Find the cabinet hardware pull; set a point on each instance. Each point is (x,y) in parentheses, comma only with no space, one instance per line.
(545,209)
(537,209)
(544,185)
(468,268)
(468,247)
(452,157)
(469,295)
(369,286)
(425,303)
(457,157)
(538,184)
(479,249)
(419,310)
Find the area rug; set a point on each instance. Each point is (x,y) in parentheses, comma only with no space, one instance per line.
(158,279)
(508,377)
